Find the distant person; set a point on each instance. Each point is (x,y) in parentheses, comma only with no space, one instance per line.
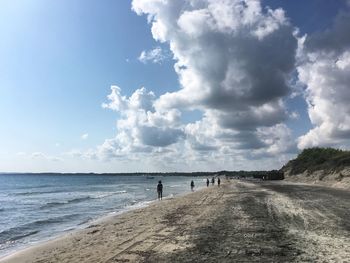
(192,185)
(160,190)
(219,181)
(207,182)
(213,181)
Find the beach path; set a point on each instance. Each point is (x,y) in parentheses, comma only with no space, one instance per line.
(240,221)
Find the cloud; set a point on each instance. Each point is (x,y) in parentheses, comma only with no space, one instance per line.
(234,60)
(231,61)
(277,139)
(154,136)
(116,101)
(74,153)
(229,54)
(55,159)
(156,55)
(294,115)
(40,155)
(84,136)
(140,126)
(335,40)
(325,70)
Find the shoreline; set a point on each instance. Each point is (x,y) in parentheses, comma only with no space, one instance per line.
(84,225)
(67,210)
(16,254)
(240,221)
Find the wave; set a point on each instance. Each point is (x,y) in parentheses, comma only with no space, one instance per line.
(19,232)
(36,193)
(52,204)
(36,186)
(14,236)
(53,220)
(85,221)
(99,196)
(175,185)
(75,200)
(80,199)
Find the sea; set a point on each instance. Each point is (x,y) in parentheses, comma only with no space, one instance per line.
(35,208)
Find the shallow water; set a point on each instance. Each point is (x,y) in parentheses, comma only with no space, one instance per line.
(35,208)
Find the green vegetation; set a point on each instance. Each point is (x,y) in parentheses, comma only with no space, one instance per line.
(313,159)
(265,175)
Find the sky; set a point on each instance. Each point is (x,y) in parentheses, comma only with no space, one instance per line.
(165,85)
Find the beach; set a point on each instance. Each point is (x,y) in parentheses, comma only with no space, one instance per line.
(238,222)
(36,208)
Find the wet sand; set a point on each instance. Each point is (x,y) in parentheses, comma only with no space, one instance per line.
(238,222)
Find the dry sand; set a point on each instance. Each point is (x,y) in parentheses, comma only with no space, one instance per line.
(238,222)
(338,179)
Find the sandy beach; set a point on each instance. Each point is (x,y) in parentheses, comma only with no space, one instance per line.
(238,222)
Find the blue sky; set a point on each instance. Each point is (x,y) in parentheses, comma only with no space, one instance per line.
(59,60)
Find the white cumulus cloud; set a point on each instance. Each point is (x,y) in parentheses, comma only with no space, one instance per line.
(140,127)
(156,55)
(234,60)
(325,70)
(231,61)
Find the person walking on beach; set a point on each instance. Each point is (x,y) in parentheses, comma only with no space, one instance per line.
(192,185)
(207,182)
(160,190)
(219,181)
(213,181)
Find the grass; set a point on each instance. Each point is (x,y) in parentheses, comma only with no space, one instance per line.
(317,158)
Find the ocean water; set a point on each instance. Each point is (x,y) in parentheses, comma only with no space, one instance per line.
(35,208)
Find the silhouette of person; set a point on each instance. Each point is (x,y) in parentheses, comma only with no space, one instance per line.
(160,190)
(219,181)
(213,181)
(192,185)
(207,182)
